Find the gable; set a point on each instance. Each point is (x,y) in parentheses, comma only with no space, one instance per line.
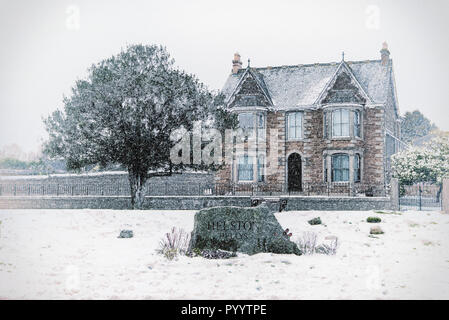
(251,91)
(344,90)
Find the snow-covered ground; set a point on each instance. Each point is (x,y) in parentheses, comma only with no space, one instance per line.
(75,254)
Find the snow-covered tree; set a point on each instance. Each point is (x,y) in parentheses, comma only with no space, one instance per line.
(429,163)
(125,112)
(415,125)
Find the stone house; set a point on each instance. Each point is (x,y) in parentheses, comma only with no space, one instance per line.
(334,123)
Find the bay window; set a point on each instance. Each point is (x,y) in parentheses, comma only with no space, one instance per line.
(245,168)
(246,121)
(261,168)
(357,129)
(340,123)
(340,168)
(357,168)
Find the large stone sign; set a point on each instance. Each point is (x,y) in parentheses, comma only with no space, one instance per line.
(246,230)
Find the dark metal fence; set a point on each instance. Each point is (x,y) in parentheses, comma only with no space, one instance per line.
(185,189)
(421,196)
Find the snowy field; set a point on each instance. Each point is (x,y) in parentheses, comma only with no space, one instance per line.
(75,254)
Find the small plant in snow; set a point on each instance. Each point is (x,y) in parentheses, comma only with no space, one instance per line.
(308,245)
(174,243)
(329,249)
(315,221)
(373,220)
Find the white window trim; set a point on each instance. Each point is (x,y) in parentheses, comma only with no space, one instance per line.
(351,153)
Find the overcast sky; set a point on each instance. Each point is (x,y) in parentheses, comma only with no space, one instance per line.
(47,45)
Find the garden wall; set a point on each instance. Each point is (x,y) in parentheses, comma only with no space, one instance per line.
(192,202)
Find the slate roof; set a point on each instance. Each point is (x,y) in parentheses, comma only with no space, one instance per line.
(301,85)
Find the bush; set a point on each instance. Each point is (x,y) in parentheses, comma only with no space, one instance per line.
(329,249)
(174,243)
(315,221)
(308,245)
(373,220)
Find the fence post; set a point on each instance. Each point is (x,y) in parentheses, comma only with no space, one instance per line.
(445,195)
(420,197)
(394,194)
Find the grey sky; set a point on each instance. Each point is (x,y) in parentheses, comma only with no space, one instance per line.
(45,48)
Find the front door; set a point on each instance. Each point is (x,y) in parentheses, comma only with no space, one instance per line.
(294,172)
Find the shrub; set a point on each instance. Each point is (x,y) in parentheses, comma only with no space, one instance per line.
(315,221)
(308,245)
(174,243)
(373,219)
(329,249)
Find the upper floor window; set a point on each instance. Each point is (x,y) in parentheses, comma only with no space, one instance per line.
(294,125)
(340,123)
(246,121)
(357,129)
(340,168)
(245,168)
(250,122)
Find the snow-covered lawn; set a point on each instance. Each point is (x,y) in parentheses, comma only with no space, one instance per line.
(75,254)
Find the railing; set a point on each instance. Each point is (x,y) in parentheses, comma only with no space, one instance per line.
(191,189)
(420,196)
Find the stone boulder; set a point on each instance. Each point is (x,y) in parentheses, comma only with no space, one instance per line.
(126,234)
(235,229)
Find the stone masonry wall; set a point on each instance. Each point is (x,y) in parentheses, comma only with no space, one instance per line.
(313,146)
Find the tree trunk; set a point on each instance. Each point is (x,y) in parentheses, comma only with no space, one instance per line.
(137,186)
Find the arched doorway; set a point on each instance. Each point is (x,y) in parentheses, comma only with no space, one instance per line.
(294,172)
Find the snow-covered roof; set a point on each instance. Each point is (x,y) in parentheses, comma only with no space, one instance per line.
(301,85)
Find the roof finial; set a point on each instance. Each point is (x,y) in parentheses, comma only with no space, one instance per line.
(249,62)
(342,56)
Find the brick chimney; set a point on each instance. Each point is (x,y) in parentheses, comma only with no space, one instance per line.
(385,54)
(236,63)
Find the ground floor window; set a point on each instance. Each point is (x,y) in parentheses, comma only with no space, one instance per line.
(357,170)
(340,168)
(261,168)
(245,168)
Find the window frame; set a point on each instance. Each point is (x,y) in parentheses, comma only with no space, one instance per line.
(357,124)
(249,163)
(300,126)
(261,168)
(341,123)
(357,167)
(341,169)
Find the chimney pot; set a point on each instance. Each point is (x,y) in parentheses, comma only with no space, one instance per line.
(384,54)
(236,63)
